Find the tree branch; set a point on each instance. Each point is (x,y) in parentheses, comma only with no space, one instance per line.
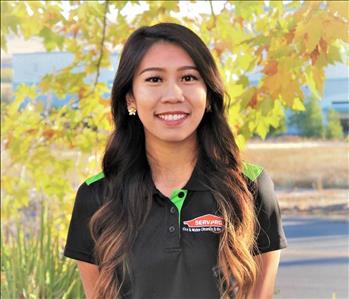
(213,14)
(102,43)
(98,65)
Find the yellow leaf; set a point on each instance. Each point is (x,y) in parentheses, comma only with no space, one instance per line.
(267,105)
(235,90)
(334,54)
(336,29)
(244,60)
(319,76)
(272,85)
(290,90)
(262,128)
(313,33)
(240,141)
(24,91)
(251,125)
(340,7)
(298,105)
(315,79)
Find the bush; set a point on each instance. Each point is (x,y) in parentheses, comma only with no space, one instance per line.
(334,129)
(310,121)
(32,265)
(278,131)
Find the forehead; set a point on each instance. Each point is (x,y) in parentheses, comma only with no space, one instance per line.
(165,55)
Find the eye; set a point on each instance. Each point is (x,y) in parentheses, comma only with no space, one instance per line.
(153,79)
(188,78)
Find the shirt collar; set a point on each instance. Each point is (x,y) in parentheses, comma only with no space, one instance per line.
(196,182)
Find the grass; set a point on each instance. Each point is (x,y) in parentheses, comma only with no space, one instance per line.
(316,166)
(311,178)
(32,265)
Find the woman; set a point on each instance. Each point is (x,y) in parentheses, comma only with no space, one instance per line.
(175,213)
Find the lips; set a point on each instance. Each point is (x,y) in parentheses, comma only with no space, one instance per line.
(174,117)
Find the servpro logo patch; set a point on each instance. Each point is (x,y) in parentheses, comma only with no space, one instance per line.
(204,223)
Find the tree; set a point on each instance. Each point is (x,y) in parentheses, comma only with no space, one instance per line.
(45,156)
(289,44)
(279,130)
(334,129)
(309,122)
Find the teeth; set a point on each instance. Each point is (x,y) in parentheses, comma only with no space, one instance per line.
(171,116)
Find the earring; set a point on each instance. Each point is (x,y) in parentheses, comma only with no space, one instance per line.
(208,108)
(132,111)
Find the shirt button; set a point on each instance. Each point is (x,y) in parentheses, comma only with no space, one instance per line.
(181,194)
(173,210)
(171,229)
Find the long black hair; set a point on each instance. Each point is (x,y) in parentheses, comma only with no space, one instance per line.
(128,197)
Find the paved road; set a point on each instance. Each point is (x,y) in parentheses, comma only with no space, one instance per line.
(316,262)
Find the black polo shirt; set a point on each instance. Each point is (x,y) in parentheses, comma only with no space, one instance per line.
(175,253)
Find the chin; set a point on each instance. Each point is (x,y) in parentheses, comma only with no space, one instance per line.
(174,138)
(170,137)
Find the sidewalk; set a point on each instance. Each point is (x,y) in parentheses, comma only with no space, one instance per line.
(315,263)
(330,203)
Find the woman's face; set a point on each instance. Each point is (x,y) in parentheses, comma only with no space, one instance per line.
(168,93)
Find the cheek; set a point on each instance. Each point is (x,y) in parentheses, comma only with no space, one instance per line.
(145,99)
(199,98)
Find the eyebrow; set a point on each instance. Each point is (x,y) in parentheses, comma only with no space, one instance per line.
(186,67)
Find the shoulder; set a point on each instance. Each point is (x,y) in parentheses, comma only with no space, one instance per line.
(80,244)
(99,177)
(260,184)
(270,235)
(256,174)
(251,171)
(91,192)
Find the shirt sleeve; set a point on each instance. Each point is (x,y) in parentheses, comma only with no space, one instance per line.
(79,244)
(270,234)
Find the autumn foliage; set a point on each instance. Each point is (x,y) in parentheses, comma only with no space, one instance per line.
(288,46)
(46,154)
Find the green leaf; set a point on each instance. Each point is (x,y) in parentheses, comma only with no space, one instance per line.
(334,54)
(244,61)
(52,40)
(240,141)
(243,80)
(24,91)
(267,104)
(276,4)
(274,120)
(247,9)
(235,90)
(262,128)
(309,77)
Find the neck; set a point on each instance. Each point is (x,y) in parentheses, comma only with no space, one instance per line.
(171,163)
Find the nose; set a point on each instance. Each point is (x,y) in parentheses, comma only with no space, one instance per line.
(173,93)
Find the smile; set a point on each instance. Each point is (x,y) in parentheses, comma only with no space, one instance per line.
(170,117)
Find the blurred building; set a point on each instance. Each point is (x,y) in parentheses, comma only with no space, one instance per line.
(6,79)
(336,95)
(29,68)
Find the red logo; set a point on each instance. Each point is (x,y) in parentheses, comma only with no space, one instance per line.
(207,220)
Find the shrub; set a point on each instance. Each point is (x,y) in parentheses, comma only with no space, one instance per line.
(32,265)
(309,122)
(334,129)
